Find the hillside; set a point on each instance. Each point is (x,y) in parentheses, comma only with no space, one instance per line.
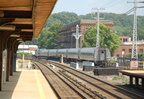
(122,23)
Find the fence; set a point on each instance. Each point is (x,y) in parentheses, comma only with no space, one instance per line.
(126,63)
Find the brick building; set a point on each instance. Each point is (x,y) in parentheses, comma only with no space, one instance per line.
(84,24)
(126,47)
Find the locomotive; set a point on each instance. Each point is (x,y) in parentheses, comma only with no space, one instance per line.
(98,55)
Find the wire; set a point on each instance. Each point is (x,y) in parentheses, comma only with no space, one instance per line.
(112,4)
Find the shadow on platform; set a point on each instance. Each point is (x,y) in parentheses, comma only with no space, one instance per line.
(8,87)
(133,89)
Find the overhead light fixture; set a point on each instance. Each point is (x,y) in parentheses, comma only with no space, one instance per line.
(15,35)
(20,39)
(7,27)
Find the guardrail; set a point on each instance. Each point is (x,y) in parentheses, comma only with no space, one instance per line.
(139,65)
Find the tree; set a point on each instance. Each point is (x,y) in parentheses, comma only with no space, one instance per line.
(107,38)
(62,17)
(140,33)
(49,38)
(123,24)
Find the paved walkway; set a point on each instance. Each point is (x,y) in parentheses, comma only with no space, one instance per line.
(27,84)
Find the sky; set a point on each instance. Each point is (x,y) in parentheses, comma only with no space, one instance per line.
(82,7)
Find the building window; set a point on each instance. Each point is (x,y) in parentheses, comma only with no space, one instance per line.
(117,55)
(124,40)
(123,49)
(130,50)
(141,50)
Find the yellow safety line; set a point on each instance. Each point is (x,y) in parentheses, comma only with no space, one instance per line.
(41,92)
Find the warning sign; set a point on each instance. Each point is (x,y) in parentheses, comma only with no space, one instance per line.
(133,64)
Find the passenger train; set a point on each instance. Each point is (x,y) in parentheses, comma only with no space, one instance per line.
(94,54)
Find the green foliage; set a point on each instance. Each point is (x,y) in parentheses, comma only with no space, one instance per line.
(62,17)
(112,60)
(141,33)
(123,26)
(141,55)
(19,54)
(128,55)
(107,38)
(49,37)
(121,78)
(33,42)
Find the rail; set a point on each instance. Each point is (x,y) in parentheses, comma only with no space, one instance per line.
(117,94)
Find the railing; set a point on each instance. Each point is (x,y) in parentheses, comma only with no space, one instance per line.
(125,63)
(141,65)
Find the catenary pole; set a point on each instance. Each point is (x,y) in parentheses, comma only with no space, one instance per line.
(134,41)
(77,36)
(98,19)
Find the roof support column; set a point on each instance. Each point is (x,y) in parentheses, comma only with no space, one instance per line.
(14,61)
(136,81)
(131,80)
(12,47)
(143,83)
(8,64)
(15,44)
(11,63)
(6,35)
(1,59)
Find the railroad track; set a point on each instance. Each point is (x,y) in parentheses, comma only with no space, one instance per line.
(90,86)
(62,89)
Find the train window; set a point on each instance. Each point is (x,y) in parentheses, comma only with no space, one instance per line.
(61,53)
(72,53)
(102,51)
(88,54)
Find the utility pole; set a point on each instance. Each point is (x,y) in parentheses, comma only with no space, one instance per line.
(134,42)
(77,36)
(98,37)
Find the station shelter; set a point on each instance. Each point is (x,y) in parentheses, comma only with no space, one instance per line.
(20,21)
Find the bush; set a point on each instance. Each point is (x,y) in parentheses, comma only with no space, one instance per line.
(112,60)
(25,54)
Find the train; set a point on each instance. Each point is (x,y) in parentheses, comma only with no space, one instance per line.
(98,55)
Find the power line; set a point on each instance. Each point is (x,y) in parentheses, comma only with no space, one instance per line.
(112,3)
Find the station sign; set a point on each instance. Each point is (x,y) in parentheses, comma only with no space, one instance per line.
(134,64)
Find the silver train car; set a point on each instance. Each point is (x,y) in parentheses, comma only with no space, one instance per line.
(95,54)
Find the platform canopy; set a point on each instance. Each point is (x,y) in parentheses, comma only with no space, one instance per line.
(24,19)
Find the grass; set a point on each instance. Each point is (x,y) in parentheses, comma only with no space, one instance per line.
(121,78)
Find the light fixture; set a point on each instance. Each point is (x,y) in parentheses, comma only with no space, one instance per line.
(15,35)
(7,27)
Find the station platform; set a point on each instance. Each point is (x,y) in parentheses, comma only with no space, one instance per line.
(137,74)
(27,84)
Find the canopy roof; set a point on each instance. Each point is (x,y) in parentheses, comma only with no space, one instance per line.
(24,18)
